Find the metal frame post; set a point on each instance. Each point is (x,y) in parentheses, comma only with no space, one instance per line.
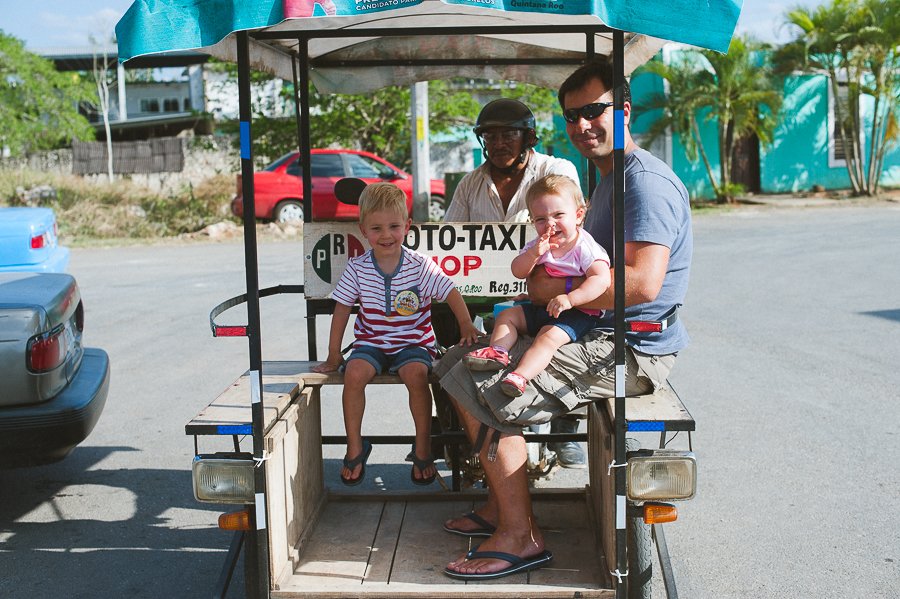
(260,535)
(619,306)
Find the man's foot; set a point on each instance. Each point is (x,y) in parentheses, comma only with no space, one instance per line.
(513,384)
(488,358)
(470,525)
(500,555)
(569,454)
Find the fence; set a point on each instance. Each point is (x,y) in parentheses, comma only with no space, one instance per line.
(160,155)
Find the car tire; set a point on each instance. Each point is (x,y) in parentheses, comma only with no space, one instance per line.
(436,209)
(640,548)
(289,211)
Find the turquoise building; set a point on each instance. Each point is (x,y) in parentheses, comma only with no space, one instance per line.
(803,154)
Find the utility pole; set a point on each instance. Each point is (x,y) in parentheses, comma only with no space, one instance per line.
(421,161)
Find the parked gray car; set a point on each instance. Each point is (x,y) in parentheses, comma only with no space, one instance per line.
(52,389)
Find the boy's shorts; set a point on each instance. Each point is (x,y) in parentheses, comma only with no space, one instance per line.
(573,322)
(393,362)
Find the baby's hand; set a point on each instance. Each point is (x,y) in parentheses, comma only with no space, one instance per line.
(544,244)
(468,334)
(326,367)
(558,305)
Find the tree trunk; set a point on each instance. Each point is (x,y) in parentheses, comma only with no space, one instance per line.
(695,131)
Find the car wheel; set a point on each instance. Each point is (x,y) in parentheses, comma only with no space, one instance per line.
(290,211)
(436,209)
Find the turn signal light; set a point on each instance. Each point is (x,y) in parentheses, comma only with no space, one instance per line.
(659,513)
(239,520)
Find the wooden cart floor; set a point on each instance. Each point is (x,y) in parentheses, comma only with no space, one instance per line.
(390,547)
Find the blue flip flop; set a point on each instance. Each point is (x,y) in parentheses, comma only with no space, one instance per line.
(485,529)
(421,465)
(362,458)
(517,564)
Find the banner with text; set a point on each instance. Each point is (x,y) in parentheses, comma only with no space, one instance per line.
(475,255)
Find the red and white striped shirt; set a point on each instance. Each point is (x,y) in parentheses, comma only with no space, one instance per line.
(394,309)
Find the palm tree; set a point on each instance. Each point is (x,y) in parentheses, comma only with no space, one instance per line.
(677,108)
(857,42)
(734,89)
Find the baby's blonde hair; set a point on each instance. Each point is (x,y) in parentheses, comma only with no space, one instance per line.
(379,197)
(558,185)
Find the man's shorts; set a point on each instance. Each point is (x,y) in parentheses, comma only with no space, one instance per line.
(579,373)
(572,322)
(392,362)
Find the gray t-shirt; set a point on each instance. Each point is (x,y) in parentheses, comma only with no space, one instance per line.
(657,210)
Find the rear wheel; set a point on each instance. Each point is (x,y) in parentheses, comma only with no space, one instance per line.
(640,549)
(436,208)
(289,211)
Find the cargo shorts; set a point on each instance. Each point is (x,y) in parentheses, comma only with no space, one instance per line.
(579,373)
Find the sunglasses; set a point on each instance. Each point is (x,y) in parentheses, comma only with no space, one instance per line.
(588,112)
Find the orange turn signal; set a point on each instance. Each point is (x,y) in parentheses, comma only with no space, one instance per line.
(658,513)
(239,520)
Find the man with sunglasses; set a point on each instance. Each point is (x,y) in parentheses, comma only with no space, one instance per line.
(658,249)
(495,192)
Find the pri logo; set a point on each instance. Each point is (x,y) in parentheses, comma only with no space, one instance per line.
(331,253)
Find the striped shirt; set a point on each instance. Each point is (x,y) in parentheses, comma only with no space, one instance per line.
(394,309)
(477,200)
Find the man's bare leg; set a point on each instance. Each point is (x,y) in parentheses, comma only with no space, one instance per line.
(517,532)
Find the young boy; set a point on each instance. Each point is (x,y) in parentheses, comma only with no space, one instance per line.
(394,287)
(557,210)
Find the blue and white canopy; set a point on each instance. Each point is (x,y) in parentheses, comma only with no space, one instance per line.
(157,26)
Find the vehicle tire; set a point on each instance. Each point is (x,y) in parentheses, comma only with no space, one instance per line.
(436,209)
(289,211)
(640,549)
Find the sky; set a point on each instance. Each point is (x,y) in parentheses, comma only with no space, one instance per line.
(71,23)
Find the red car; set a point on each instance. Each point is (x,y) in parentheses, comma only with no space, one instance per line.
(279,187)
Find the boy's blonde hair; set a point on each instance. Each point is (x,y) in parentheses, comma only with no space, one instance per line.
(379,197)
(558,185)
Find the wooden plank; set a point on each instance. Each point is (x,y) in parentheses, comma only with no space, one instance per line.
(662,406)
(567,534)
(337,555)
(423,549)
(232,406)
(601,448)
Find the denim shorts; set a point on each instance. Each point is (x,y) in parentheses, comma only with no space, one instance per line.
(573,322)
(393,362)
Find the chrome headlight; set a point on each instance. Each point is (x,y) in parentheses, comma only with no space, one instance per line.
(661,475)
(221,479)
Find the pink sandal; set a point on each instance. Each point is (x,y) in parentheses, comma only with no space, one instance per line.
(513,384)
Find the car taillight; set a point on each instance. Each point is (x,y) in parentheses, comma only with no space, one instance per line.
(39,241)
(46,351)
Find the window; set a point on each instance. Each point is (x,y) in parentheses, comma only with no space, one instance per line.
(170,105)
(367,168)
(149,105)
(327,165)
(293,168)
(187,104)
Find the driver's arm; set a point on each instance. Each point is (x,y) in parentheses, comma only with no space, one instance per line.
(645,269)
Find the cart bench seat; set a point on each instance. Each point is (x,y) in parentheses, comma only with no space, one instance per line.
(229,413)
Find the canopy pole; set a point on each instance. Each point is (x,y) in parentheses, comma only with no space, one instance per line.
(619,303)
(260,535)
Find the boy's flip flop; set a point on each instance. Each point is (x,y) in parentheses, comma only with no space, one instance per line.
(486,528)
(362,458)
(421,465)
(517,564)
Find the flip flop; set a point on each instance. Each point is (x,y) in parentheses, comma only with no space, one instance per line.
(362,458)
(517,564)
(486,528)
(421,465)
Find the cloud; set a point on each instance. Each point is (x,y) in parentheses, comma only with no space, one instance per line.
(77,29)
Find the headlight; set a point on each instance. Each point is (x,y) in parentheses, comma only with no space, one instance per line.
(661,475)
(222,479)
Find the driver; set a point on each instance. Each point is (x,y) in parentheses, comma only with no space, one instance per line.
(495,192)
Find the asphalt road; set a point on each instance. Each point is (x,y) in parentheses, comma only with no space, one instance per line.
(791,377)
